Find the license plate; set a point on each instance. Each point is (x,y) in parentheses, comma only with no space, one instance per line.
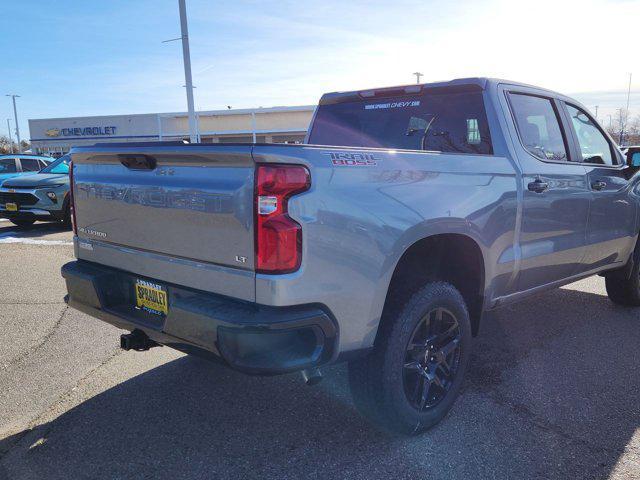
(151,297)
(11,207)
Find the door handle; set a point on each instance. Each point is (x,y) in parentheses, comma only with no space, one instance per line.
(538,186)
(137,161)
(598,185)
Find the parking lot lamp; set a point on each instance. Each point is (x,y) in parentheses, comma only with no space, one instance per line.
(186,58)
(624,124)
(10,137)
(15,116)
(193,131)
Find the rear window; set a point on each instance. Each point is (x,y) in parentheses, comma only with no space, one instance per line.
(444,122)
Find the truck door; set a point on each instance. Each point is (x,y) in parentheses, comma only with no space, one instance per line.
(611,230)
(556,195)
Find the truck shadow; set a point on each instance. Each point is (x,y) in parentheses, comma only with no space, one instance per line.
(552,393)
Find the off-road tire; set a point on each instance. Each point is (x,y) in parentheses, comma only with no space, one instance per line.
(624,289)
(377,381)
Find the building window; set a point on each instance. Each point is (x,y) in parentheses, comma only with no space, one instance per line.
(288,138)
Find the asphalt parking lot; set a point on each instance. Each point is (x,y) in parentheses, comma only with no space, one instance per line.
(552,393)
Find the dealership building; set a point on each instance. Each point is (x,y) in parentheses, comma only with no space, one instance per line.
(54,136)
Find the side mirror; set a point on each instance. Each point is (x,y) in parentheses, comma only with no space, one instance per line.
(635,159)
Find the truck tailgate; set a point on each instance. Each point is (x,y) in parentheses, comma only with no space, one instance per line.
(169,205)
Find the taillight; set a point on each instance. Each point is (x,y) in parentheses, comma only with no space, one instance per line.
(71,202)
(278,236)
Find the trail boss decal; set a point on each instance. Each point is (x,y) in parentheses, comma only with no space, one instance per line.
(348,159)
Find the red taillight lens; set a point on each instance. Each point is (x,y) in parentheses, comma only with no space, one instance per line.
(71,202)
(278,236)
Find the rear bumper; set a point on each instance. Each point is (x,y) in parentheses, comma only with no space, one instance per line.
(252,338)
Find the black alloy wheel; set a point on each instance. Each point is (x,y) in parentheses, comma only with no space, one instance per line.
(432,358)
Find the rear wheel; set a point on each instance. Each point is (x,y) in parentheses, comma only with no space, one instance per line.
(22,222)
(624,289)
(412,378)
(66,219)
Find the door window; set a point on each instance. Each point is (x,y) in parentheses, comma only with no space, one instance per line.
(594,146)
(7,165)
(30,165)
(538,126)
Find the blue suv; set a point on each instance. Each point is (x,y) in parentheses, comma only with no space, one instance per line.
(42,196)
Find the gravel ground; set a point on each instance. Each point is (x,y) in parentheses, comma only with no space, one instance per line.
(552,393)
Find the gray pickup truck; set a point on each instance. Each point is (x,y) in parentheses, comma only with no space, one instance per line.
(409,213)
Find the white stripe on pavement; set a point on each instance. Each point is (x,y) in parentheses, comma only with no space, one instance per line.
(31,241)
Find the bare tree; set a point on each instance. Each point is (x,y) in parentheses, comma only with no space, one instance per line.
(7,146)
(632,131)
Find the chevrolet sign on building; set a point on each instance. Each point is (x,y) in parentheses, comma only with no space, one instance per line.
(78,132)
(55,136)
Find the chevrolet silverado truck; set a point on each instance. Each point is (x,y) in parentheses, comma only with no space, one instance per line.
(408,213)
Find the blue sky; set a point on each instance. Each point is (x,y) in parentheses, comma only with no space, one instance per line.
(69,58)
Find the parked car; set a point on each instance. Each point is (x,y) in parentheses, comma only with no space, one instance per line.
(413,211)
(14,165)
(631,151)
(42,196)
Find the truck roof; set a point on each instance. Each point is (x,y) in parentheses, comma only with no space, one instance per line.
(457,84)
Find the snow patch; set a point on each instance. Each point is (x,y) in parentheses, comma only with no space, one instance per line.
(31,241)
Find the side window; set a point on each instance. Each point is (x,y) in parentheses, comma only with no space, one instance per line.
(594,146)
(7,165)
(30,165)
(539,127)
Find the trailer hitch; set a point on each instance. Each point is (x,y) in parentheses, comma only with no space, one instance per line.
(137,340)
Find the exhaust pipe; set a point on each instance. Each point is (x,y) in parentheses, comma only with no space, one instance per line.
(312,376)
(136,340)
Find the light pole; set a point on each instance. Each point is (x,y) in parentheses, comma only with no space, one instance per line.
(622,125)
(193,129)
(15,116)
(10,137)
(418,75)
(596,113)
(186,59)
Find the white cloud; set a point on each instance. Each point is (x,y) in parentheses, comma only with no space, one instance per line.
(562,45)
